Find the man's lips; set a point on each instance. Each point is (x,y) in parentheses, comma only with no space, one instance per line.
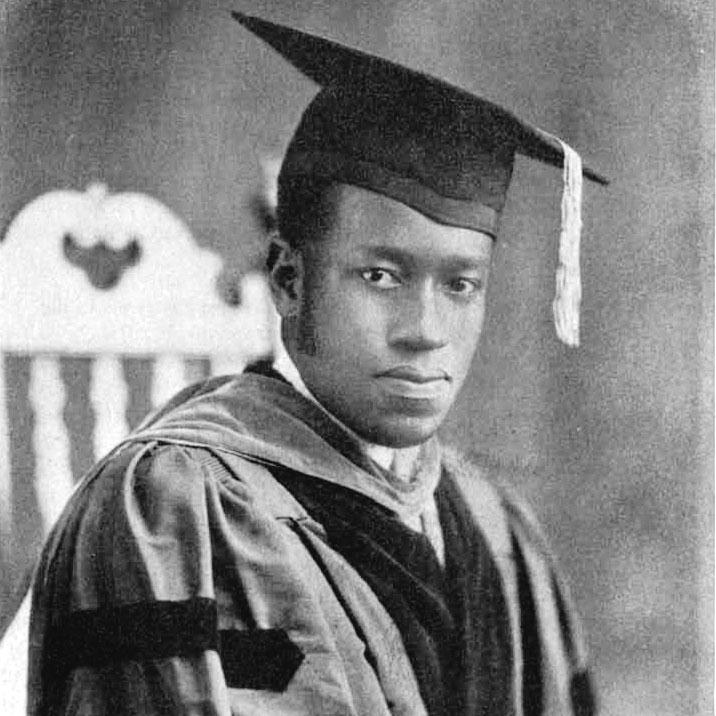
(414,375)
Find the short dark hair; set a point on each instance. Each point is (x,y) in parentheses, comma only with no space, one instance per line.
(303,212)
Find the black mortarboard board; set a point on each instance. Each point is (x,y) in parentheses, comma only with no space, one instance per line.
(417,139)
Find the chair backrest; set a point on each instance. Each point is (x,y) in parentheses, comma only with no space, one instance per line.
(111,278)
(107,307)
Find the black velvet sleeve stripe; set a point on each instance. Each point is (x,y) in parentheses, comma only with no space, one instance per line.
(258,659)
(141,631)
(253,659)
(532,688)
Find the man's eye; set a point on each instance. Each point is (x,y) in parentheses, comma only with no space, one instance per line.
(380,277)
(464,286)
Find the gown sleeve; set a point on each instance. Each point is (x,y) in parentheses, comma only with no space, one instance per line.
(163,590)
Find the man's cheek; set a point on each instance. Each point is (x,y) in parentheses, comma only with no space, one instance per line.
(307,333)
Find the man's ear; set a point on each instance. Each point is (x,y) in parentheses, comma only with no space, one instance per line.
(286,277)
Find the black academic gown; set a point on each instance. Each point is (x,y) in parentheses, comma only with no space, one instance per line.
(240,554)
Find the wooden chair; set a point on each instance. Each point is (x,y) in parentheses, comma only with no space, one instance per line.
(113,289)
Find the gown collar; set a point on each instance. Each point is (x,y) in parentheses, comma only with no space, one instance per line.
(260,416)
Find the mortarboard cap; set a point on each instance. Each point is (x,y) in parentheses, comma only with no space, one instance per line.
(421,141)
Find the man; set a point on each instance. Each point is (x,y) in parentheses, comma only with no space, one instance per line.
(294,539)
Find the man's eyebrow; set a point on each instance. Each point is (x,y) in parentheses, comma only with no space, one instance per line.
(451,262)
(386,253)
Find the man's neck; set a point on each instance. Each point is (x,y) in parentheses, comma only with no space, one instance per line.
(399,461)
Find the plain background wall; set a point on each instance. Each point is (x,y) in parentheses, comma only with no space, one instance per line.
(612,442)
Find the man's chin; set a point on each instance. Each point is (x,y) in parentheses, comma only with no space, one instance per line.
(402,432)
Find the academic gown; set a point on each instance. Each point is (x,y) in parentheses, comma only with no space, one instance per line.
(240,554)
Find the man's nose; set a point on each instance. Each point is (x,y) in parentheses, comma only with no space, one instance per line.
(419,323)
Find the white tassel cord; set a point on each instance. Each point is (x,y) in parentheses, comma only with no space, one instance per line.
(568,291)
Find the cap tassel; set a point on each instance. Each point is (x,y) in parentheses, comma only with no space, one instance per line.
(568,293)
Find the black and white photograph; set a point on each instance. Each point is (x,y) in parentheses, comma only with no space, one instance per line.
(357,358)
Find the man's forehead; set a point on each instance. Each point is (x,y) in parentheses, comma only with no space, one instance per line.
(373,225)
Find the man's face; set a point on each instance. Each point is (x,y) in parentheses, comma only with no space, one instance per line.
(387,316)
